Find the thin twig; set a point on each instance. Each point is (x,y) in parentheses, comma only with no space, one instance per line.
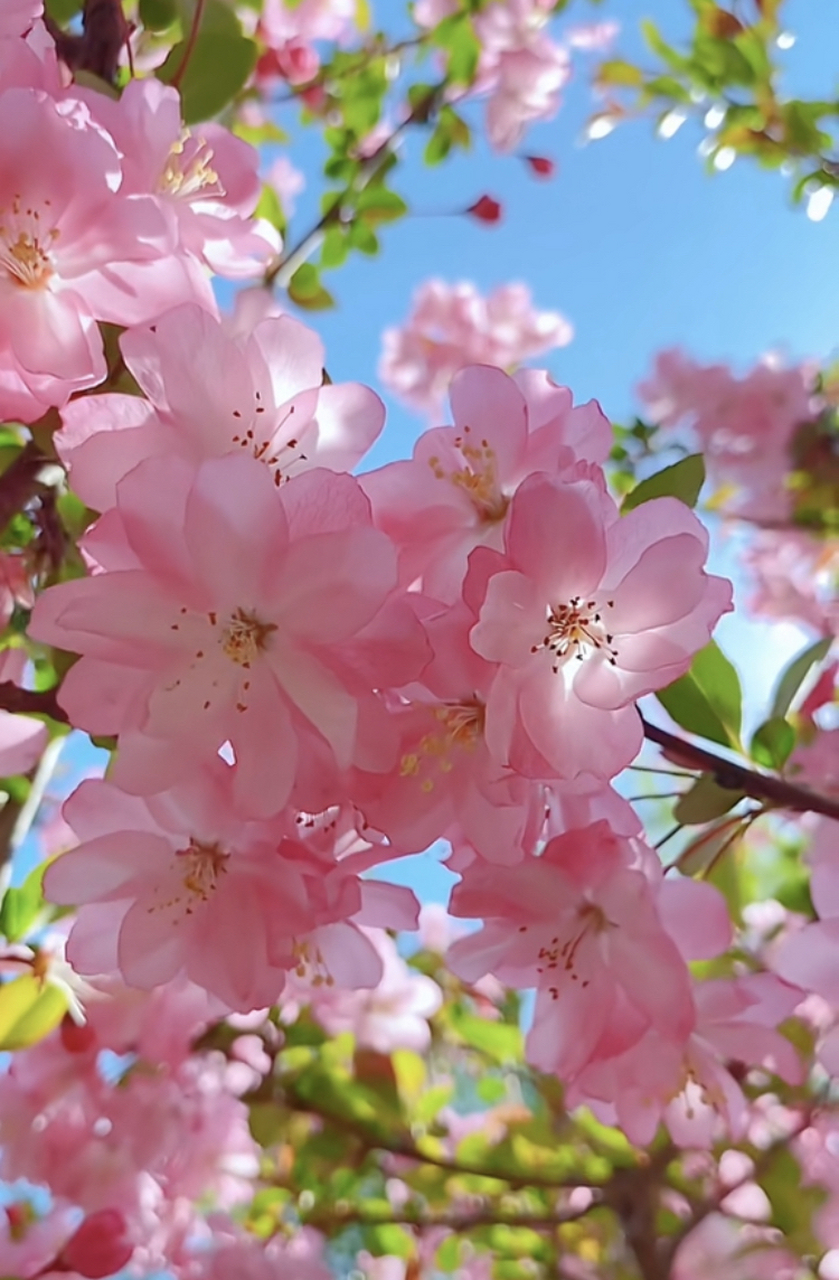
(285,265)
(356,1216)
(190,44)
(779,793)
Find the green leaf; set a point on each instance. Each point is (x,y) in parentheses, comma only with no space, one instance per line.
(158,15)
(21,906)
(389,1240)
(29,1010)
(793,1203)
(61,11)
(701,854)
(377,204)
(335,248)
(682,480)
(491,1090)
(705,801)
(773,743)
(498,1040)
(306,290)
(617,72)
(219,66)
(707,700)
(796,673)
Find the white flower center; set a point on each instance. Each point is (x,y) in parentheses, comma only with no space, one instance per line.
(203,864)
(576,630)
(461,726)
(477,478)
(187,171)
(25,245)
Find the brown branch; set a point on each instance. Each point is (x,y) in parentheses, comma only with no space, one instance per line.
(105,32)
(31,702)
(23,481)
(335,1219)
(766,787)
(409,1151)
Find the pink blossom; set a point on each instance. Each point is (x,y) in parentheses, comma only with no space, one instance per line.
(22,738)
(745,426)
(581,924)
(452,326)
(239,1256)
(17,16)
(287,181)
(730,1250)
(99,1246)
(392,1015)
(235,612)
(455,494)
(579,636)
(692,1087)
(204,179)
(444,781)
(794,575)
(67,244)
(210,392)
(175,882)
(28,1242)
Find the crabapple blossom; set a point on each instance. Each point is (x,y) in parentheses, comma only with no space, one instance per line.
(583,613)
(452,326)
(204,180)
(236,611)
(22,738)
(169,885)
(729,1250)
(17,16)
(745,426)
(208,393)
(693,1088)
(68,240)
(455,494)
(392,1015)
(581,924)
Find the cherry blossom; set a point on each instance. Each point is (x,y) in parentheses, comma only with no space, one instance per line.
(580,634)
(452,326)
(205,179)
(18,16)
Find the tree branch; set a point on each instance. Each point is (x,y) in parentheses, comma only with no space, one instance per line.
(335,1218)
(105,33)
(765,787)
(31,702)
(24,480)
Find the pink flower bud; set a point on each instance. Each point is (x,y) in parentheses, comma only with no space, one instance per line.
(298,62)
(485,209)
(100,1247)
(541,165)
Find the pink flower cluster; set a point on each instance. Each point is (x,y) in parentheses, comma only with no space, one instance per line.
(109,211)
(521,68)
(308,674)
(451,326)
(745,427)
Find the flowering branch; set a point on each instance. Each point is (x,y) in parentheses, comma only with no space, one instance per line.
(776,792)
(284,267)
